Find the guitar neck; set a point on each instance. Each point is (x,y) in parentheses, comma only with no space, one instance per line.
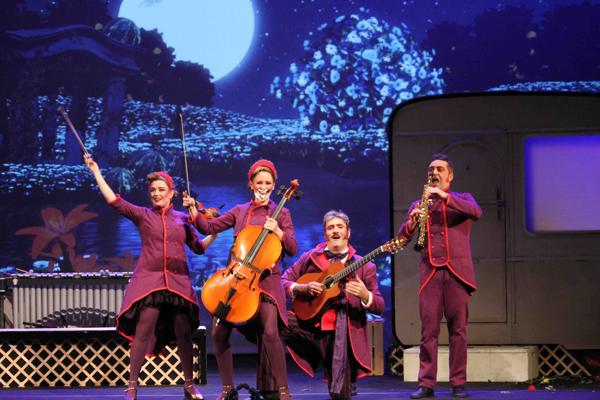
(357,264)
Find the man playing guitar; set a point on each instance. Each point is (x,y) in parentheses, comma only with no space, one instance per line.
(337,336)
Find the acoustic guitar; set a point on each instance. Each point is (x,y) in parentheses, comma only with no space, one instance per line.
(308,307)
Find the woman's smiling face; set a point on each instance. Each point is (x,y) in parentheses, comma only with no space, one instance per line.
(160,193)
(262,186)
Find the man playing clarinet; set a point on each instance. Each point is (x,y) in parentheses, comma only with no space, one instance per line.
(447,277)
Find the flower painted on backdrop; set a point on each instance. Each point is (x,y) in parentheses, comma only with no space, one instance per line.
(323,126)
(56,227)
(334,77)
(302,79)
(362,62)
(55,241)
(337,61)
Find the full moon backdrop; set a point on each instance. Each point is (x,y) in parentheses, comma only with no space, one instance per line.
(307,84)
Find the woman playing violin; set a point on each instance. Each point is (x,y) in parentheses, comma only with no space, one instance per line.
(271,374)
(160,305)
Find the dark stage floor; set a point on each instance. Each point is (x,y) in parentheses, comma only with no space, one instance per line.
(305,388)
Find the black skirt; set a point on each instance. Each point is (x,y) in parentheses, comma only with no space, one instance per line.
(170,304)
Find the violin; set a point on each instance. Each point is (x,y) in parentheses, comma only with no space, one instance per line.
(208,213)
(233,294)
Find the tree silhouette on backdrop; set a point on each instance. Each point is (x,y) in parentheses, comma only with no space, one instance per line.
(79,75)
(570,43)
(507,45)
(164,80)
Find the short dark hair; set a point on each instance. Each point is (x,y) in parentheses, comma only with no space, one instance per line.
(331,214)
(443,157)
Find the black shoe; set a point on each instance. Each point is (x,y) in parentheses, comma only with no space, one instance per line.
(460,392)
(269,395)
(422,392)
(335,396)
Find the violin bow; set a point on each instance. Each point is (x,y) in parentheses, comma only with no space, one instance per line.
(62,112)
(185,163)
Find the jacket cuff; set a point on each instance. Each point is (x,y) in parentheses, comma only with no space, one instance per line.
(291,290)
(368,304)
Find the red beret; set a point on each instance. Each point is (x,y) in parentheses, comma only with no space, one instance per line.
(262,163)
(165,177)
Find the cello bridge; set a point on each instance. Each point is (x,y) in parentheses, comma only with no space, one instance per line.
(239,275)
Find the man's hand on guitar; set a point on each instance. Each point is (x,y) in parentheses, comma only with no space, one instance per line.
(357,288)
(312,289)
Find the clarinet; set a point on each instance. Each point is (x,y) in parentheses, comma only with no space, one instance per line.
(424,206)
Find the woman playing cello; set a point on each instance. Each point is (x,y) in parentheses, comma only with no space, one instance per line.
(160,305)
(272,373)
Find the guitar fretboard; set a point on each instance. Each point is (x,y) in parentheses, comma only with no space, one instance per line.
(357,264)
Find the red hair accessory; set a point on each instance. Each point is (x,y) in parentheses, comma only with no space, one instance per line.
(262,163)
(165,177)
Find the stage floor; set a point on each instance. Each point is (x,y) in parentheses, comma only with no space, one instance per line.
(304,388)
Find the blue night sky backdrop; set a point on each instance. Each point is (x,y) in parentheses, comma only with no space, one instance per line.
(283,26)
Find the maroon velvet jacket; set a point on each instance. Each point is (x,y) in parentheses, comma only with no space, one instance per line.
(315,261)
(448,237)
(162,263)
(250,213)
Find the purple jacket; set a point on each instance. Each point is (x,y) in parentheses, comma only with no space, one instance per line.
(162,263)
(251,213)
(448,237)
(315,261)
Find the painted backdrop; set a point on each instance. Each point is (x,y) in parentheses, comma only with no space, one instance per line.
(307,83)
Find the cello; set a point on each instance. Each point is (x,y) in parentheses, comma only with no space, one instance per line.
(233,294)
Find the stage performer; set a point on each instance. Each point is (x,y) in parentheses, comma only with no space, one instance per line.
(447,278)
(338,339)
(160,306)
(264,329)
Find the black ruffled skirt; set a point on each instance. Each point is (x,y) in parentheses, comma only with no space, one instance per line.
(170,305)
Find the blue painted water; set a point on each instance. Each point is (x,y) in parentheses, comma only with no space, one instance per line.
(365,199)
